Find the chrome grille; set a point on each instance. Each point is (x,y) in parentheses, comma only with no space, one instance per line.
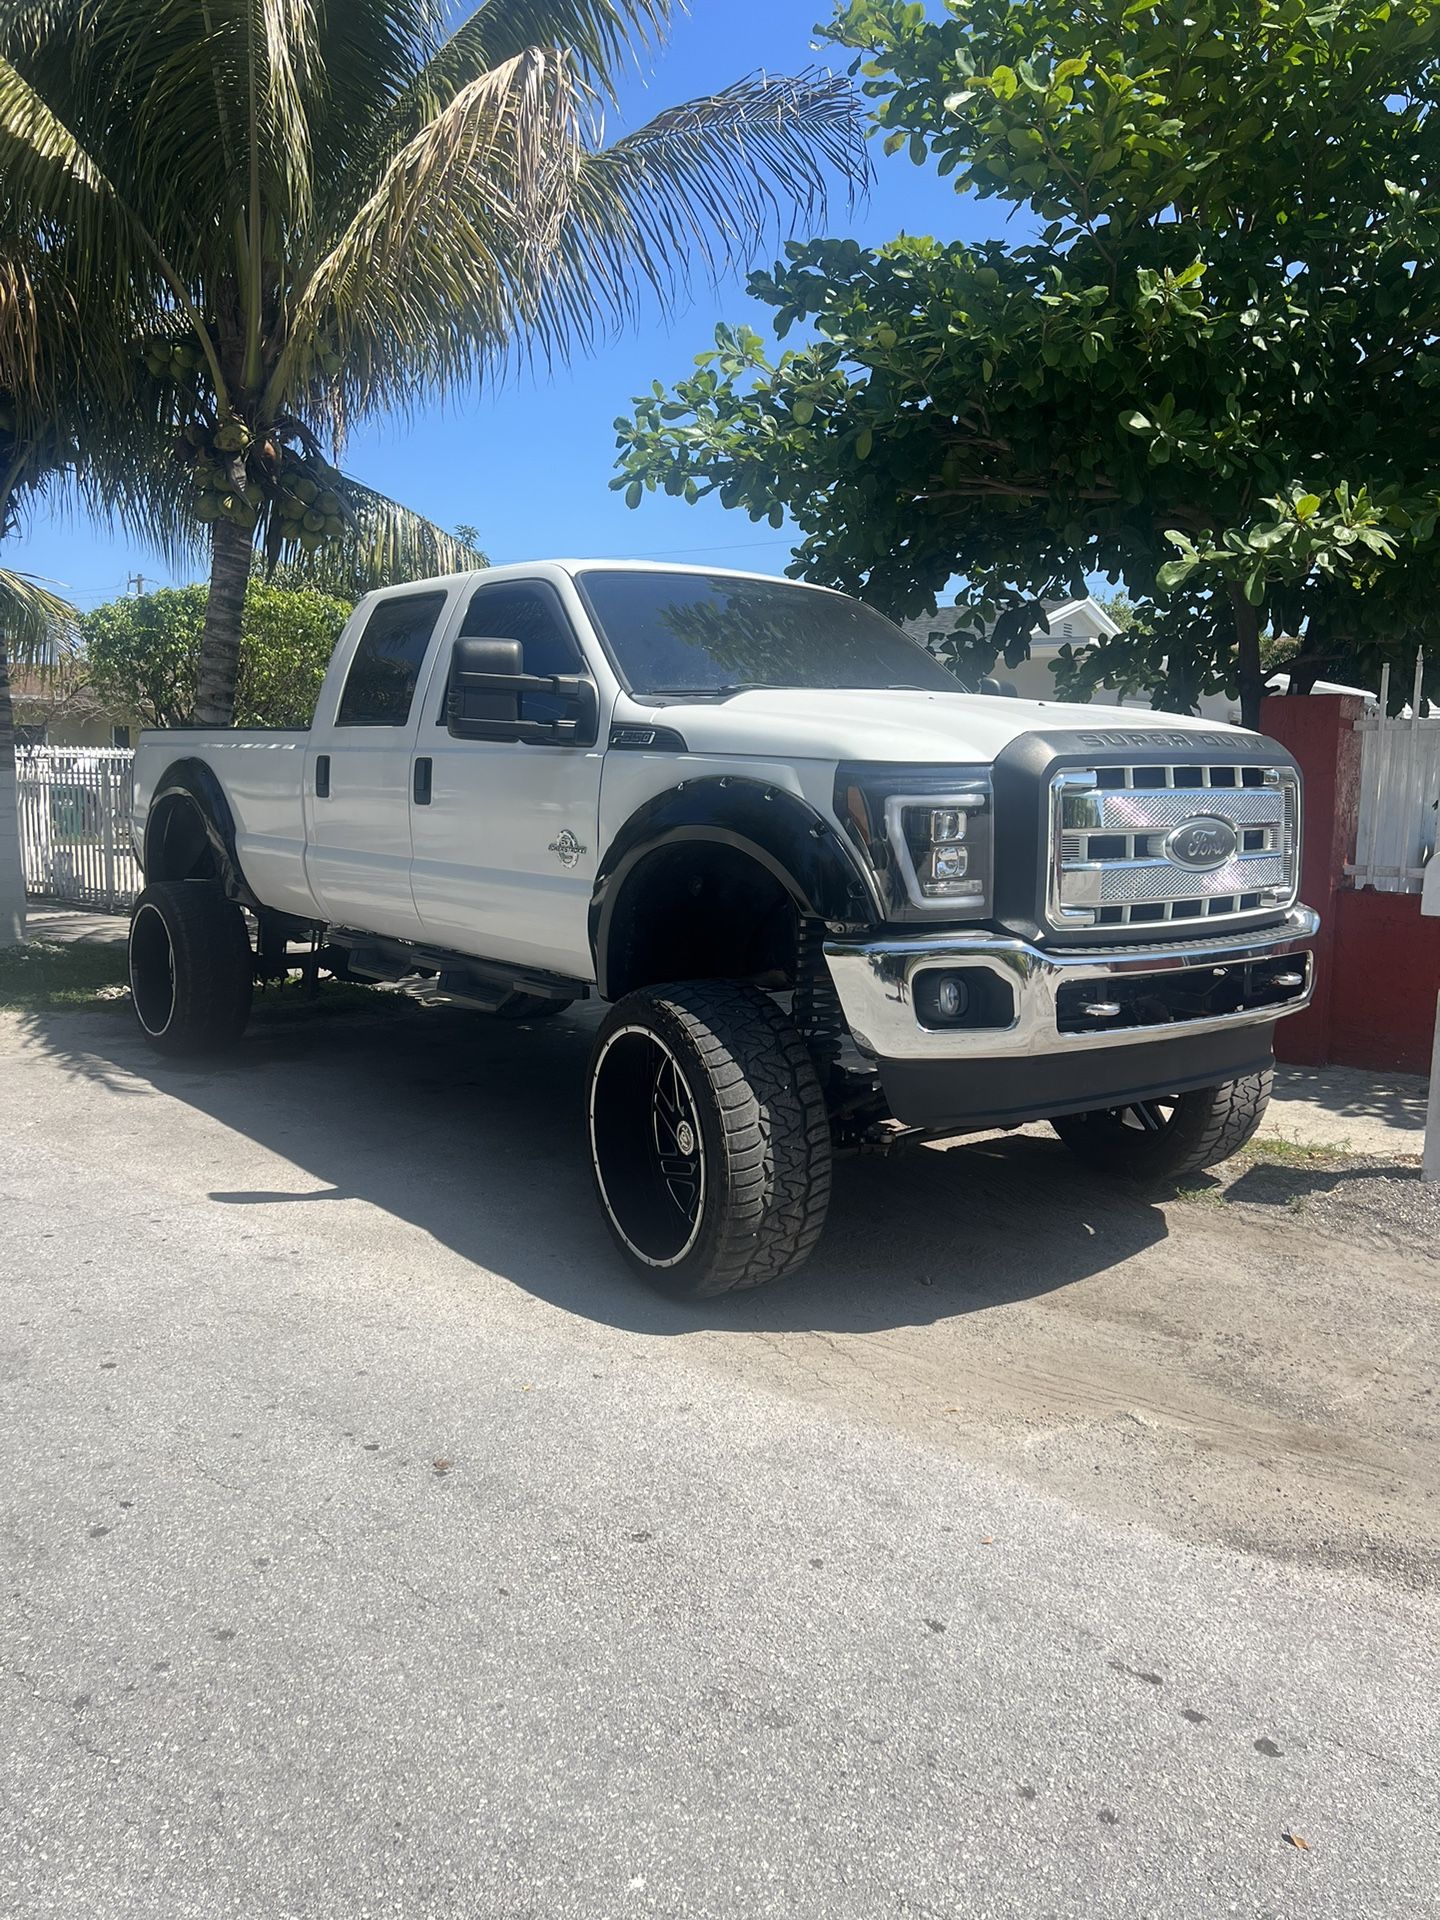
(1148,845)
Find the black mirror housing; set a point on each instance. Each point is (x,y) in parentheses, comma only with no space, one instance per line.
(486,685)
(475,665)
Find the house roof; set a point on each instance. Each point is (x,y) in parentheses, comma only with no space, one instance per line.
(38,693)
(1055,612)
(1058,610)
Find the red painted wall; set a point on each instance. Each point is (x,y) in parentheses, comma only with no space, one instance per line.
(1377,960)
(1385,972)
(1319,729)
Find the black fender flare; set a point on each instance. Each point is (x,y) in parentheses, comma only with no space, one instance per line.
(782,833)
(197,784)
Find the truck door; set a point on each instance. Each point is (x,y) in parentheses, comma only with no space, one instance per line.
(503,831)
(357,855)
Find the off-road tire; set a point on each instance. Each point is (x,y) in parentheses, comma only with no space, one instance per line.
(1197,1130)
(188,929)
(763,1148)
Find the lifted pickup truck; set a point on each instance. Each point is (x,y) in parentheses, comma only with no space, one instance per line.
(832,899)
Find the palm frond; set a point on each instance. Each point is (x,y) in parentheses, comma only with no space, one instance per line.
(498,232)
(709,182)
(47,170)
(36,624)
(437,271)
(602,36)
(283,57)
(386,543)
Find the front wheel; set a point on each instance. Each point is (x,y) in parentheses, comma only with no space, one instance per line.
(191,969)
(1166,1138)
(709,1138)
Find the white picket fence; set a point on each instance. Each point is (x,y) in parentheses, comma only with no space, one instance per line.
(1399,794)
(75,825)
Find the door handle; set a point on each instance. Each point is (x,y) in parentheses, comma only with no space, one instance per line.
(322,776)
(423,773)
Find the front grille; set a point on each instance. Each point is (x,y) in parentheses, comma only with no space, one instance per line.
(1146,845)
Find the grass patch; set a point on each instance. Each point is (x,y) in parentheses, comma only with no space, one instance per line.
(1211,1196)
(278,1005)
(1293,1153)
(45,974)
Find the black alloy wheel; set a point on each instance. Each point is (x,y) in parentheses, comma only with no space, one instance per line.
(709,1138)
(192,972)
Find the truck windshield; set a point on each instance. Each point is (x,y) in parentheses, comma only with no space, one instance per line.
(716,634)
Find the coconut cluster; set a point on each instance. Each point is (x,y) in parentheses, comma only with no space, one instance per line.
(238,473)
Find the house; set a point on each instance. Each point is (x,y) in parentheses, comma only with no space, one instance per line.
(61,710)
(1079,624)
(1073,623)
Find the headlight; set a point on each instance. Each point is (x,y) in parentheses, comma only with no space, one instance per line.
(926,831)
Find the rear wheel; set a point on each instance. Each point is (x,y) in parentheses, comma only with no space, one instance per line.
(709,1138)
(1166,1138)
(191,968)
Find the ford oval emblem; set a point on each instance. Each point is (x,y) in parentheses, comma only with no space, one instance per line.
(1202,844)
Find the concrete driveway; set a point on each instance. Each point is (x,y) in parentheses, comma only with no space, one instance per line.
(373,1545)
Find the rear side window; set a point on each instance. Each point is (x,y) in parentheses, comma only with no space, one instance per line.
(380,685)
(530,612)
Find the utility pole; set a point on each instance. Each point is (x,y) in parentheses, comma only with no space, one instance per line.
(136,580)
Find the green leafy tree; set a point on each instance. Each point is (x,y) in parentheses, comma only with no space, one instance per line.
(315,214)
(142,654)
(1209,369)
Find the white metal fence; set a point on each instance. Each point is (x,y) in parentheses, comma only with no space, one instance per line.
(1399,794)
(75,825)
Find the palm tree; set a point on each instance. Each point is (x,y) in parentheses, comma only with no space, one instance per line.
(332,210)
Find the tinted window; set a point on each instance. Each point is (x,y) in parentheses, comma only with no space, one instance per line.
(381,683)
(530,612)
(703,633)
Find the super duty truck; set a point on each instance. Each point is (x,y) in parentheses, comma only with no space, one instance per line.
(831,899)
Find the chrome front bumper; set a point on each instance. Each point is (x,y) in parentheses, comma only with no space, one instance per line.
(875,980)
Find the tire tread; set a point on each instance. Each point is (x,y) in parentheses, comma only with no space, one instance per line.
(214,970)
(774,1124)
(1209,1126)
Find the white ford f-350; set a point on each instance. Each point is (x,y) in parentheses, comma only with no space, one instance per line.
(833,900)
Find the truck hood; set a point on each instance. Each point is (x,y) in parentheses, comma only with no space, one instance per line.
(894,725)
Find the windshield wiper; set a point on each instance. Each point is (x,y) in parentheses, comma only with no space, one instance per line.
(702,693)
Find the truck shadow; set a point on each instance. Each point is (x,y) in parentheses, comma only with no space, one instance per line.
(470,1129)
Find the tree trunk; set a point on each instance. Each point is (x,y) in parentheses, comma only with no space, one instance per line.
(1312,659)
(12,859)
(230,552)
(1247,658)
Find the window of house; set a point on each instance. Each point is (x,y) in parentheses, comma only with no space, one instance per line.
(120,736)
(30,736)
(528,611)
(380,685)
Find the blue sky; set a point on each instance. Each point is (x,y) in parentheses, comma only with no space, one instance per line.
(529,463)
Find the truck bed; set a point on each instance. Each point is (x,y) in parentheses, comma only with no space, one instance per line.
(261,773)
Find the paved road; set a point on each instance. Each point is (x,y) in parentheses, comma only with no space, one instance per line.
(372,1546)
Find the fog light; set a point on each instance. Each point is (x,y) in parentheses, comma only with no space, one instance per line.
(952,997)
(964,998)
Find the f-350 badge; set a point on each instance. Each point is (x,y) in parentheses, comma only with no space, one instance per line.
(566,848)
